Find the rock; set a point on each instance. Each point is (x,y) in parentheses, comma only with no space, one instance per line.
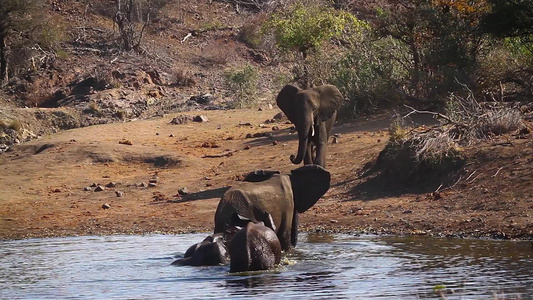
(333,221)
(99,188)
(246,147)
(275,143)
(88,189)
(203,99)
(275,128)
(153,180)
(171,135)
(111,185)
(249,136)
(119,193)
(268,135)
(260,109)
(143,184)
(125,142)
(183,191)
(94,184)
(337,135)
(335,140)
(257,134)
(200,119)
(278,116)
(152,184)
(106,206)
(181,119)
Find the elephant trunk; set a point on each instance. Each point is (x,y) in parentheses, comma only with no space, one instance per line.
(303,139)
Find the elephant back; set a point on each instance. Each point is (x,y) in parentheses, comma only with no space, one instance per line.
(254,200)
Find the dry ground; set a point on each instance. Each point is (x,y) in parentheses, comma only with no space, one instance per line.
(42,182)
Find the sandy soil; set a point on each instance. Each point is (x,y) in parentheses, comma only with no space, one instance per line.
(45,183)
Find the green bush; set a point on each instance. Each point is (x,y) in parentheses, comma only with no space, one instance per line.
(305,28)
(370,75)
(242,85)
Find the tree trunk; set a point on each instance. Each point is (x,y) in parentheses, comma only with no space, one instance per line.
(4,76)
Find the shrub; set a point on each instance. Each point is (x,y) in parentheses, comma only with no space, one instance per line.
(184,79)
(242,84)
(474,120)
(370,75)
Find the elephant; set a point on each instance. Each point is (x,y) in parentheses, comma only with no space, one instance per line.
(274,199)
(211,251)
(313,112)
(253,248)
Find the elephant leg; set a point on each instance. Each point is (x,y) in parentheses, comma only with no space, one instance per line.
(322,145)
(308,158)
(294,229)
(284,234)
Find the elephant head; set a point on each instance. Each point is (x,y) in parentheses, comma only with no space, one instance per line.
(211,251)
(306,109)
(255,247)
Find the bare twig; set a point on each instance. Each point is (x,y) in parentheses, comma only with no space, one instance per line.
(186,37)
(436,114)
(496,174)
(225,154)
(470,175)
(437,190)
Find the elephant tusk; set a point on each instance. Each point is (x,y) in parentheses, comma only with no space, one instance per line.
(313,128)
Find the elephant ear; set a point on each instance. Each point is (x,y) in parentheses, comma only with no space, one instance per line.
(331,100)
(260,175)
(309,183)
(285,101)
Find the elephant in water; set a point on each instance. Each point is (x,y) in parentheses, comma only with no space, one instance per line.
(211,251)
(274,199)
(313,112)
(253,248)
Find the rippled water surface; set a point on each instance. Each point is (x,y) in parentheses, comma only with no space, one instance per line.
(321,267)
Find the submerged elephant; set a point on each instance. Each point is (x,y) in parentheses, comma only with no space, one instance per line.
(255,247)
(211,251)
(313,112)
(274,199)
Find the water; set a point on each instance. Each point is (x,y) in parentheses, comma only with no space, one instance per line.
(322,267)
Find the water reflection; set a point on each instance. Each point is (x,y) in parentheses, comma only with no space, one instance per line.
(323,266)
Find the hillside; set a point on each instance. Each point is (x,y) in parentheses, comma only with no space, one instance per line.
(98,116)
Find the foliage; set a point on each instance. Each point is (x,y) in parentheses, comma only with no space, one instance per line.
(443,37)
(15,125)
(370,74)
(305,28)
(510,18)
(242,84)
(12,15)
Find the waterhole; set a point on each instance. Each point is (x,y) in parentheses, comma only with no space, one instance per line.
(322,266)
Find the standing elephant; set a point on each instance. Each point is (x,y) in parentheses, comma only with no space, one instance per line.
(255,247)
(313,112)
(211,251)
(274,199)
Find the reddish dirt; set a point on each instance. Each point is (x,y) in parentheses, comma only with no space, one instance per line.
(43,192)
